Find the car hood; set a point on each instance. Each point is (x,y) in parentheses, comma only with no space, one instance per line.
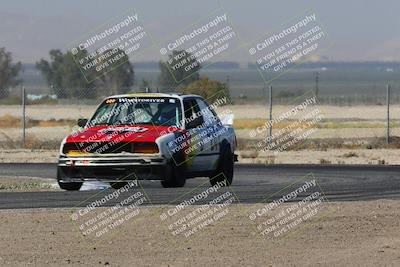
(138,133)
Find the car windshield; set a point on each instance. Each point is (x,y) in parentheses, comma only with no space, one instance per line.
(138,111)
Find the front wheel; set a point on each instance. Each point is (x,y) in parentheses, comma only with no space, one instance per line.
(118,185)
(70,186)
(224,172)
(175,173)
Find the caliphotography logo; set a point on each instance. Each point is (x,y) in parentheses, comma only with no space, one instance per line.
(289,210)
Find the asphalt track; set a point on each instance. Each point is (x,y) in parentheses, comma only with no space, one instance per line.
(252,184)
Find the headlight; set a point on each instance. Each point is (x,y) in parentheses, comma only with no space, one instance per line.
(71,149)
(62,146)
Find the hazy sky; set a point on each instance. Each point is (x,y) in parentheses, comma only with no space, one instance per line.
(358,29)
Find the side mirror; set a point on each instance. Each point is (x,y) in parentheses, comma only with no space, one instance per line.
(194,123)
(82,122)
(227,119)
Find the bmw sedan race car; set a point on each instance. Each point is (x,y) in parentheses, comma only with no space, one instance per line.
(167,137)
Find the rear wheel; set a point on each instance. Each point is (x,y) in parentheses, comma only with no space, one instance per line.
(224,170)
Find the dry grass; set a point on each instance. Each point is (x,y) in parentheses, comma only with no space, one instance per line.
(350,154)
(355,125)
(250,154)
(51,123)
(31,142)
(254,123)
(24,186)
(329,143)
(8,121)
(18,184)
(324,161)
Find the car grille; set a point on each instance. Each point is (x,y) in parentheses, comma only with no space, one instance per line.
(109,147)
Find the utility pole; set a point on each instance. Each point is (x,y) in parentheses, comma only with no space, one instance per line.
(316,84)
(228,79)
(23,95)
(270,111)
(387,113)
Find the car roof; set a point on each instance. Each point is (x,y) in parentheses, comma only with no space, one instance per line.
(175,95)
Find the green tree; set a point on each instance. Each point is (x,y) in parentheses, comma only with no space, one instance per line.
(180,69)
(8,72)
(118,77)
(210,90)
(64,76)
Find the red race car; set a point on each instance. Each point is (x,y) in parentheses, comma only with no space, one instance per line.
(167,137)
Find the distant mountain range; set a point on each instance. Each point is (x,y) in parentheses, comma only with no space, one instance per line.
(230,65)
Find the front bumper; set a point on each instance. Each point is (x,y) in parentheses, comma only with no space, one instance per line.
(111,168)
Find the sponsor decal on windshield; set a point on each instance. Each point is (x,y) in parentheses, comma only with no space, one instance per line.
(141,100)
(125,129)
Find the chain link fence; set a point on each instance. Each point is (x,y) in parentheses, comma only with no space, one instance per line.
(41,121)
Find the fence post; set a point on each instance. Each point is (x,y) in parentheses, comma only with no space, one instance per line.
(316,84)
(387,113)
(270,111)
(23,116)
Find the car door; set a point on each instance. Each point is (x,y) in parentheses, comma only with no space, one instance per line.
(197,153)
(212,138)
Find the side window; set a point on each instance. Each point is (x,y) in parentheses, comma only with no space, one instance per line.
(187,105)
(192,111)
(209,115)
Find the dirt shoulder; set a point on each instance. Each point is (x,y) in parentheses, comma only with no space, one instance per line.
(349,234)
(28,156)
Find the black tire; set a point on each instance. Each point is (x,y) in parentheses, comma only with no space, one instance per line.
(69,186)
(224,171)
(118,185)
(175,173)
